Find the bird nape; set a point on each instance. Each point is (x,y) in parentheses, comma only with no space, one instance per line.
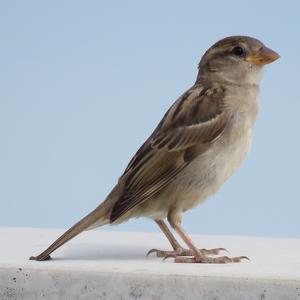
(195,148)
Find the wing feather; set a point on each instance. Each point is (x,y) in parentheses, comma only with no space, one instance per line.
(194,121)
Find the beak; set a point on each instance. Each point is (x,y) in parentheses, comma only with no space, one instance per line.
(263,56)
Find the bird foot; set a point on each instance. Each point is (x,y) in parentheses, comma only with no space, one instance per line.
(185,252)
(208,260)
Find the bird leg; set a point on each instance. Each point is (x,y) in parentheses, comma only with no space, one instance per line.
(178,250)
(198,256)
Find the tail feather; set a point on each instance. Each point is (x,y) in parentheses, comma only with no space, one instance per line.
(97,216)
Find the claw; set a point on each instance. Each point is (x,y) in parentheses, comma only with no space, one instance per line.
(224,250)
(151,251)
(245,257)
(214,251)
(236,259)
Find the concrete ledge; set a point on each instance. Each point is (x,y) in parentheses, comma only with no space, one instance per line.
(112,265)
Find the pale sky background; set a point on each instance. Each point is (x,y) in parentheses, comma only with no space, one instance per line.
(84,83)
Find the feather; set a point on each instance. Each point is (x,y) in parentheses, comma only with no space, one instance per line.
(194,121)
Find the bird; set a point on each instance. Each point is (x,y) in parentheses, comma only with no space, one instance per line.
(199,143)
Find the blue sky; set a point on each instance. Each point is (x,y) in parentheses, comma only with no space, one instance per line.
(83,84)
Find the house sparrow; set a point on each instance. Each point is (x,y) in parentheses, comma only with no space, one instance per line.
(195,148)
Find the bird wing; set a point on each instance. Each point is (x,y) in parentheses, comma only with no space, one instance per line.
(192,123)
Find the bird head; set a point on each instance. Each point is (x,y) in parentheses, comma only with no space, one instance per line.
(236,59)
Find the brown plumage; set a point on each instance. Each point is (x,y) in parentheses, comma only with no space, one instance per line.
(180,133)
(197,145)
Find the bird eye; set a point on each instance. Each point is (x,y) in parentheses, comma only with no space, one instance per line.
(238,51)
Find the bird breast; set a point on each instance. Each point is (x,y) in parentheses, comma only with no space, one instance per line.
(206,174)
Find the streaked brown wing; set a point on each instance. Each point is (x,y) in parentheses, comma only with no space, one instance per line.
(195,120)
(185,137)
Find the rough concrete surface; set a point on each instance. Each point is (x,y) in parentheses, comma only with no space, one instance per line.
(112,265)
